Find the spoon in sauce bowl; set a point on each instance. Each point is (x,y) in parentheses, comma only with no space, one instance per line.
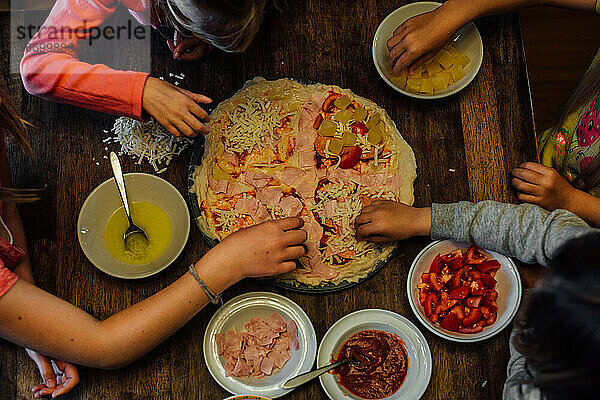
(309,376)
(134,237)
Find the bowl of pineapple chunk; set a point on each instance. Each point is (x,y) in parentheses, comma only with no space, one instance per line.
(445,74)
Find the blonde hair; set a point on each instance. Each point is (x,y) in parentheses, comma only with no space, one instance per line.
(229,25)
(11,121)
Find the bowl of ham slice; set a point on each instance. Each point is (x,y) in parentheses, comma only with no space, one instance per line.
(256,342)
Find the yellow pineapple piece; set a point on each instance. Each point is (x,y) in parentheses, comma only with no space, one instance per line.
(433,67)
(426,86)
(457,73)
(452,50)
(462,60)
(439,83)
(447,60)
(413,84)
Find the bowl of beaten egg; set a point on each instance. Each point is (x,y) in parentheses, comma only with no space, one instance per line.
(156,206)
(447,73)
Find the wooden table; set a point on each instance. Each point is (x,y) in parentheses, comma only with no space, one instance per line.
(465,147)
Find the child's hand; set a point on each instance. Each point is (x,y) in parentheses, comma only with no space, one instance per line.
(418,39)
(174,108)
(543,186)
(59,377)
(266,249)
(388,221)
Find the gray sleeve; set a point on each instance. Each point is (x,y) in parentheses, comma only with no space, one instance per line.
(524,231)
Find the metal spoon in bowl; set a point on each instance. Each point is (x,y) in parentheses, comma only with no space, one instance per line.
(135,238)
(309,376)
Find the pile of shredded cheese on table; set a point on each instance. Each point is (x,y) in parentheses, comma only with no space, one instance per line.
(150,141)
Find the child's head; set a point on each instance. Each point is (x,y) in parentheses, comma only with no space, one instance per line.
(229,25)
(560,331)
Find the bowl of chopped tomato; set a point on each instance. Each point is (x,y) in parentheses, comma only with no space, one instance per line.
(463,293)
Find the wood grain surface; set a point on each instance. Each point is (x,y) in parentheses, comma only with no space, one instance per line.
(465,147)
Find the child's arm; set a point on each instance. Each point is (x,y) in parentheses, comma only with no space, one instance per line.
(51,69)
(545,187)
(421,37)
(36,319)
(524,231)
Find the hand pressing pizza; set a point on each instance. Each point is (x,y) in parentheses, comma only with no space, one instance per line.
(282,149)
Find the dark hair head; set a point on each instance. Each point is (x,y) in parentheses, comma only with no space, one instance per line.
(559,333)
(229,25)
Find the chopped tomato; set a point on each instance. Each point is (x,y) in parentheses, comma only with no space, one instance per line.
(475,256)
(492,305)
(425,278)
(477,288)
(489,267)
(359,128)
(456,254)
(445,277)
(431,302)
(490,295)
(488,281)
(422,297)
(471,329)
(475,275)
(490,319)
(456,264)
(459,293)
(458,312)
(473,302)
(472,317)
(450,322)
(435,283)
(318,121)
(320,143)
(328,105)
(350,157)
(435,264)
(457,277)
(485,311)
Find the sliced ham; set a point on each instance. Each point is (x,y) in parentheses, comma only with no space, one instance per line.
(262,215)
(269,195)
(276,323)
(306,186)
(292,328)
(305,140)
(235,188)
(291,206)
(221,187)
(306,158)
(247,206)
(322,269)
(314,230)
(255,178)
(329,208)
(212,182)
(266,366)
(289,175)
(259,351)
(394,182)
(232,158)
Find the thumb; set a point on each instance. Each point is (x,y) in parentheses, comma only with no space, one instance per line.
(198,98)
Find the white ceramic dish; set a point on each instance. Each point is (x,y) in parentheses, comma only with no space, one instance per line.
(508,287)
(239,311)
(467,40)
(419,355)
(247,397)
(104,200)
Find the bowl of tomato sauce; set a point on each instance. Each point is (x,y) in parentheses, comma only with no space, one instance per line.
(393,360)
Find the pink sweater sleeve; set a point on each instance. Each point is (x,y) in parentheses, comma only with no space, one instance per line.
(60,76)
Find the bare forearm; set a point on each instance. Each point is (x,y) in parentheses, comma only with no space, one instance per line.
(586,206)
(461,12)
(37,320)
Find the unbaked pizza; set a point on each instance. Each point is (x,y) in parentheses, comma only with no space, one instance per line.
(281,148)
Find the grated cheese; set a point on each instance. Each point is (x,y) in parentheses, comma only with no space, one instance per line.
(147,141)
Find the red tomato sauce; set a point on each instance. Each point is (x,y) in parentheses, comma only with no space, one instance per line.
(382,366)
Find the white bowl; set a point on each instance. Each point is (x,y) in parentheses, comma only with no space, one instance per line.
(467,40)
(105,200)
(235,314)
(508,287)
(419,356)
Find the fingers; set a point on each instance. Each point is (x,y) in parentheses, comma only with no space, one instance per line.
(536,167)
(43,393)
(287,266)
(295,252)
(527,198)
(527,175)
(366,230)
(198,98)
(417,62)
(44,365)
(525,187)
(396,52)
(377,239)
(295,237)
(289,223)
(363,218)
(403,61)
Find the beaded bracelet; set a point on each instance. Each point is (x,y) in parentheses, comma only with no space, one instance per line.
(214,298)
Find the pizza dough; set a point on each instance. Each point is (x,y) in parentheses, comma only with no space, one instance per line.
(281,148)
